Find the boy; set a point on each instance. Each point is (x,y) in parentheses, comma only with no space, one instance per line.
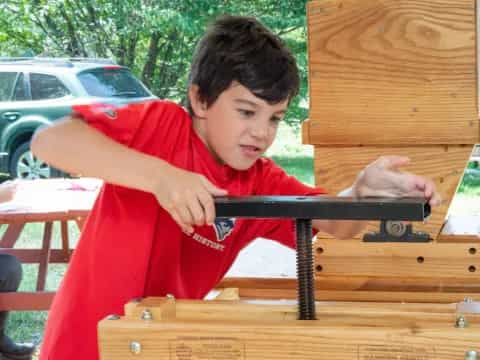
(152,230)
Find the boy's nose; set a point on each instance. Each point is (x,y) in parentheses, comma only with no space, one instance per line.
(259,131)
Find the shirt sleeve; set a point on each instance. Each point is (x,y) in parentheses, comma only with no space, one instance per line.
(275,181)
(119,123)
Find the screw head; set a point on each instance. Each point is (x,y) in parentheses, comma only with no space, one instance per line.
(147,315)
(135,347)
(461,322)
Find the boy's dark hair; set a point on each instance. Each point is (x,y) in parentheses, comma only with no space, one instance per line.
(241,49)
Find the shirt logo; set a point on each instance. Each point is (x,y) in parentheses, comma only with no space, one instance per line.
(112,114)
(223,227)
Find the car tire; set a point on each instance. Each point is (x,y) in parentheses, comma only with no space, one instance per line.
(24,165)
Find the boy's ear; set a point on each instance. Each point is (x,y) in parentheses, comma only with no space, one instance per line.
(199,108)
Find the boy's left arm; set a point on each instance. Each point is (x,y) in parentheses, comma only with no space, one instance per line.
(382,178)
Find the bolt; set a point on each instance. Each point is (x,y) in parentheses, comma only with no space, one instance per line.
(461,322)
(147,315)
(471,355)
(170,296)
(395,228)
(135,347)
(113,317)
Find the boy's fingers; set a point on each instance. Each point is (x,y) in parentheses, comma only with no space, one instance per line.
(436,199)
(184,215)
(425,185)
(393,162)
(206,200)
(196,211)
(183,226)
(212,189)
(429,189)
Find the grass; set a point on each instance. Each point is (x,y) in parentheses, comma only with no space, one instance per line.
(28,326)
(296,159)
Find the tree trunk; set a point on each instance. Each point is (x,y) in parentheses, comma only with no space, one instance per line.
(132,44)
(164,74)
(152,56)
(75,47)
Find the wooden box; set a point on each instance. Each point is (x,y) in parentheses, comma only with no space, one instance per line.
(394,77)
(163,328)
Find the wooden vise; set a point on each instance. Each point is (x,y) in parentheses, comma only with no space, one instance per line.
(394,77)
(386,77)
(164,328)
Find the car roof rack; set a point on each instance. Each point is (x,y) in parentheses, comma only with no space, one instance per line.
(67,62)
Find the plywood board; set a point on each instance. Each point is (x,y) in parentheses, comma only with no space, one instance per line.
(392,72)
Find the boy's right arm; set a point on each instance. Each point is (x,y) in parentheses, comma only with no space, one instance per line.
(75,147)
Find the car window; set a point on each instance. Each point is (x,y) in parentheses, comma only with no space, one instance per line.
(20,91)
(111,82)
(46,87)
(7,82)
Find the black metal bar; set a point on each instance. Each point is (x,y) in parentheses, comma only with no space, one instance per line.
(305,284)
(323,207)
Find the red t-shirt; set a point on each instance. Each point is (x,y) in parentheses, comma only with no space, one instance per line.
(130,247)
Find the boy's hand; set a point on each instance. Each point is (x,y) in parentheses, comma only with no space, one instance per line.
(187,197)
(384,178)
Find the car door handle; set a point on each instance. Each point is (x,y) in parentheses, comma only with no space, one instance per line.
(10,115)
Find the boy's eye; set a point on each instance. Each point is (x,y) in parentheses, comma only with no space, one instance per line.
(246,113)
(275,119)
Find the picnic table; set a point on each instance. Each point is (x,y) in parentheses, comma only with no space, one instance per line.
(45,201)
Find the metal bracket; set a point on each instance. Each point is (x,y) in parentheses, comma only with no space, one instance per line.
(396,231)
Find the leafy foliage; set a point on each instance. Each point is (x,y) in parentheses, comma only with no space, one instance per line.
(155,38)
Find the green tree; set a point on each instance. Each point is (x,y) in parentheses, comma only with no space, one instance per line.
(155,38)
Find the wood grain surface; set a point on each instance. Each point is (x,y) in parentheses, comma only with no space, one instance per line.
(392,72)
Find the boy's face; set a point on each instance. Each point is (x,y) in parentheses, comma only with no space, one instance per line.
(238,127)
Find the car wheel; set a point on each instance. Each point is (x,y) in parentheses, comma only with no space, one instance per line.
(24,165)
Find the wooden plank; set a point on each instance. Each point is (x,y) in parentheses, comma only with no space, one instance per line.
(431,260)
(420,283)
(392,72)
(458,238)
(337,167)
(361,288)
(355,282)
(11,235)
(26,301)
(239,330)
(377,296)
(228,294)
(30,256)
(242,309)
(45,256)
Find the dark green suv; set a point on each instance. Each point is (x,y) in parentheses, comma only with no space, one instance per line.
(36,91)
